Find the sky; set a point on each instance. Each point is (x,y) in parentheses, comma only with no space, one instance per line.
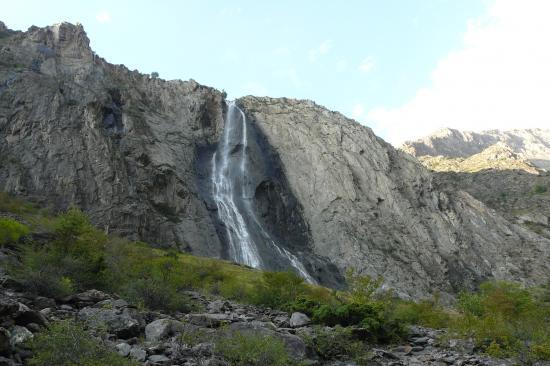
(405,68)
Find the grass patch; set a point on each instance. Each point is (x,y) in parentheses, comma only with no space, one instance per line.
(67,343)
(241,349)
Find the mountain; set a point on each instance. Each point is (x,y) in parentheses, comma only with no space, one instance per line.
(509,176)
(531,145)
(157,161)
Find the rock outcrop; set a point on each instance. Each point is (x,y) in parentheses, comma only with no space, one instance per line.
(510,176)
(376,209)
(121,145)
(532,145)
(134,152)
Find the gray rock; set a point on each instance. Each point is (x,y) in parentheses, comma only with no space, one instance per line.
(162,328)
(218,306)
(123,349)
(209,320)
(159,360)
(420,341)
(24,316)
(138,353)
(299,320)
(43,302)
(19,335)
(123,323)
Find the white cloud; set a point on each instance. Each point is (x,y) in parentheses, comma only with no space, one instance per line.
(499,78)
(320,50)
(358,111)
(366,65)
(103,17)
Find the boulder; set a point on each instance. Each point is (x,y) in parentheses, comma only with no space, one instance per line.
(159,360)
(123,349)
(123,323)
(24,316)
(218,306)
(138,354)
(299,320)
(19,335)
(162,328)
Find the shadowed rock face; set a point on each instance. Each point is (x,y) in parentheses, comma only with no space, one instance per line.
(136,154)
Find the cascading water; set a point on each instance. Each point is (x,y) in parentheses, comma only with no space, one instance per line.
(233,194)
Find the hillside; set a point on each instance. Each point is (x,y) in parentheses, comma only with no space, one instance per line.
(318,192)
(532,145)
(509,176)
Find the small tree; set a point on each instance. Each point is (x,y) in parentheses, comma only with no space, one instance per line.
(154,74)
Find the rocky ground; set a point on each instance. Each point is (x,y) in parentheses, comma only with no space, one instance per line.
(154,338)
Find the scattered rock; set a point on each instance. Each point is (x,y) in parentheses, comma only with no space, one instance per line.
(159,360)
(120,322)
(123,349)
(299,320)
(138,353)
(19,335)
(162,328)
(209,320)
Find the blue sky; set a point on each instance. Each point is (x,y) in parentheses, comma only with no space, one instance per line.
(367,59)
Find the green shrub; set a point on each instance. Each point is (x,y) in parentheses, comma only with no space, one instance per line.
(539,189)
(11,231)
(153,294)
(241,349)
(278,289)
(337,343)
(427,313)
(66,343)
(74,261)
(505,320)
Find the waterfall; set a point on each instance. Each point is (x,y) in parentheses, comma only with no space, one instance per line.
(233,194)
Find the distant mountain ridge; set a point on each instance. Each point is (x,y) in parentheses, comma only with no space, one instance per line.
(531,145)
(509,171)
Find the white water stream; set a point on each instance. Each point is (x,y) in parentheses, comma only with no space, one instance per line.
(231,192)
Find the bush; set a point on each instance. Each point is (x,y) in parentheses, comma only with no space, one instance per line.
(427,313)
(11,231)
(505,320)
(337,343)
(539,189)
(66,343)
(74,261)
(241,349)
(278,289)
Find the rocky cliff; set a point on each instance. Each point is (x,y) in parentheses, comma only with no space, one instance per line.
(532,145)
(376,209)
(136,153)
(510,176)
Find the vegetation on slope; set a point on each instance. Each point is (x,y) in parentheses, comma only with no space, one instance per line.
(503,318)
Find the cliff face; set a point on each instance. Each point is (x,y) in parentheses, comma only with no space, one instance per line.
(77,130)
(136,154)
(510,176)
(376,209)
